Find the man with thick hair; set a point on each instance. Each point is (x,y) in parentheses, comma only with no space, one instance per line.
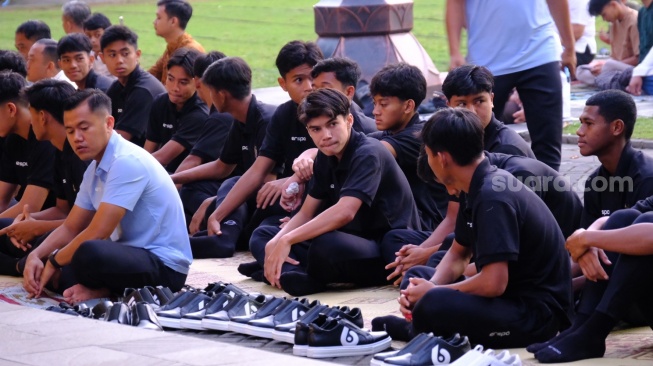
(132,94)
(42,62)
(12,61)
(126,228)
(172,17)
(22,234)
(357,193)
(521,291)
(177,116)
(74,13)
(94,27)
(77,62)
(29,32)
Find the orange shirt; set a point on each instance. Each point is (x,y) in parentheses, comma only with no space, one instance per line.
(160,68)
(624,37)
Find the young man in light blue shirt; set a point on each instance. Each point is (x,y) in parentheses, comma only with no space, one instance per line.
(127,227)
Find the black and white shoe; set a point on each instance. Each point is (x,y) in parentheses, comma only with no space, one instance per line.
(239,324)
(286,332)
(290,311)
(414,345)
(221,298)
(433,351)
(302,328)
(172,318)
(340,337)
(143,316)
(239,305)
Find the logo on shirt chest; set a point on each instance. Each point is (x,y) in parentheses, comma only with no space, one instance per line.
(333,186)
(168,126)
(22,164)
(245,148)
(470,224)
(119,110)
(298,138)
(605,212)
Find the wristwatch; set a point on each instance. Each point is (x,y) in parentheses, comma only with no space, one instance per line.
(54,261)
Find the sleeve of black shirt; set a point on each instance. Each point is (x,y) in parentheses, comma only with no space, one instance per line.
(509,150)
(463,233)
(58,179)
(212,138)
(272,146)
(497,230)
(190,127)
(406,148)
(318,185)
(7,165)
(136,115)
(154,122)
(41,164)
(232,150)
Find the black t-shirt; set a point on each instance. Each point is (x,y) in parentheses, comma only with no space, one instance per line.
(131,104)
(501,139)
(213,136)
(553,188)
(245,139)
(68,173)
(184,126)
(603,192)
(368,172)
(98,81)
(28,162)
(515,226)
(431,197)
(362,123)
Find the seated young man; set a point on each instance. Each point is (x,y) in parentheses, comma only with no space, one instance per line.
(134,90)
(94,27)
(522,288)
(617,256)
(20,235)
(126,228)
(76,62)
(177,117)
(356,194)
(27,164)
(229,81)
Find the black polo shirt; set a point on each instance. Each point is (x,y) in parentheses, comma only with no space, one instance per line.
(98,81)
(213,136)
(183,126)
(499,138)
(362,123)
(68,173)
(131,103)
(602,200)
(515,226)
(553,188)
(369,172)
(431,197)
(28,162)
(245,139)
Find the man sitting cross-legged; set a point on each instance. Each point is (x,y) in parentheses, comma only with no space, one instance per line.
(127,227)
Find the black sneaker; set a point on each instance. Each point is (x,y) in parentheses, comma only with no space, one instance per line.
(289,311)
(340,337)
(286,332)
(239,305)
(238,324)
(119,313)
(193,320)
(434,351)
(143,316)
(302,329)
(410,347)
(172,318)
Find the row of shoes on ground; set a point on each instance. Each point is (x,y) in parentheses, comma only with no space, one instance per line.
(139,314)
(427,349)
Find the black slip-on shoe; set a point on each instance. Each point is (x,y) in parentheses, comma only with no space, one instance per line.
(143,316)
(289,312)
(239,324)
(172,318)
(434,351)
(100,309)
(119,313)
(340,337)
(302,327)
(302,330)
(410,347)
(193,320)
(238,306)
(285,332)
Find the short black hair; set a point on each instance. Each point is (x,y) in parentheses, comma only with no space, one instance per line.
(34,30)
(11,83)
(74,42)
(95,97)
(13,61)
(232,74)
(179,9)
(595,7)
(203,61)
(323,102)
(456,131)
(49,95)
(346,70)
(400,80)
(49,50)
(615,104)
(97,21)
(184,57)
(297,53)
(467,80)
(76,11)
(118,33)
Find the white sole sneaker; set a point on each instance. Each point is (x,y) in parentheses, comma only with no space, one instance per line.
(285,337)
(186,323)
(215,324)
(300,350)
(170,322)
(341,351)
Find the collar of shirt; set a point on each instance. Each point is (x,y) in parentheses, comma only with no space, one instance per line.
(253,115)
(491,130)
(132,79)
(91,79)
(624,163)
(187,107)
(180,42)
(482,170)
(107,158)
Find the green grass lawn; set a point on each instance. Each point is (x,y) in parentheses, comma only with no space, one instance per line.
(643,128)
(252,29)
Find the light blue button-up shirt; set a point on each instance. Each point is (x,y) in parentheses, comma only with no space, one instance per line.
(129,177)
